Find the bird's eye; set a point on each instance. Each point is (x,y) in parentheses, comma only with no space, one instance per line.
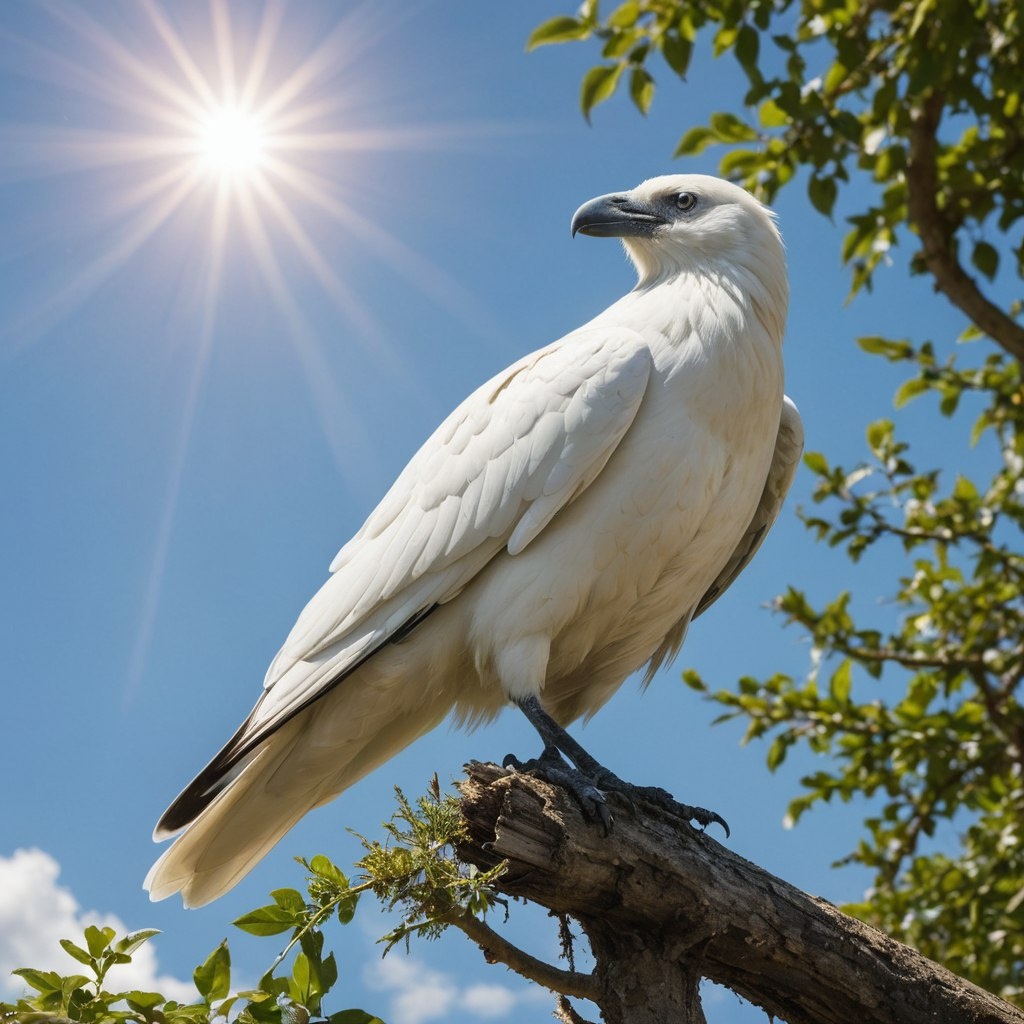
(686,201)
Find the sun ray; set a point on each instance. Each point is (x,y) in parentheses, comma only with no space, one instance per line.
(350,445)
(165,526)
(259,59)
(420,271)
(340,293)
(144,75)
(38,153)
(356,30)
(221,18)
(420,137)
(146,195)
(148,221)
(46,65)
(179,52)
(153,587)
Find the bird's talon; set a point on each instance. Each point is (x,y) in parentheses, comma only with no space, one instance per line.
(704,818)
(721,821)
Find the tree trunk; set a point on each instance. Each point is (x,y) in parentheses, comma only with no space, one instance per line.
(664,905)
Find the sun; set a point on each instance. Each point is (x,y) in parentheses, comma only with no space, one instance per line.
(232,142)
(243,127)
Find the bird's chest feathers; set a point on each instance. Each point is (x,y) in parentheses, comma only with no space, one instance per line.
(644,542)
(718,365)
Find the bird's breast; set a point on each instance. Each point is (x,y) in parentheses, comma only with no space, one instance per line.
(617,570)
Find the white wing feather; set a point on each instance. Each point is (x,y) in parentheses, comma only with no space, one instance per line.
(493,475)
(789,446)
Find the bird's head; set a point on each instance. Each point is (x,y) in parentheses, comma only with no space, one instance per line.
(689,222)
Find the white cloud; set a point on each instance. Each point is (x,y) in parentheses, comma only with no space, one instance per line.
(420,994)
(36,912)
(489,1000)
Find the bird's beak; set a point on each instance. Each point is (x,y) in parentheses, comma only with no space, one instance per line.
(616,216)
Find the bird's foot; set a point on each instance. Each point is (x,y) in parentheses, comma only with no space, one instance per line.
(554,769)
(588,780)
(589,790)
(657,797)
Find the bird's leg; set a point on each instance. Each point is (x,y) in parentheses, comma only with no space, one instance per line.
(589,779)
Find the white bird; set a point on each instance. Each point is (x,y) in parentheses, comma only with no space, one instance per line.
(557,532)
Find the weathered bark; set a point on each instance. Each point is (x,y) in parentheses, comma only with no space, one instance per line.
(664,905)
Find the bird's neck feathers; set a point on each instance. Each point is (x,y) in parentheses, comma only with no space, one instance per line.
(731,299)
(745,272)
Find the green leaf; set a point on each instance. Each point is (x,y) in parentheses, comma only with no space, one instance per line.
(77,952)
(213,977)
(822,193)
(677,52)
(353,1017)
(328,973)
(728,127)
(841,682)
(143,1000)
(909,389)
(558,30)
(878,433)
(625,15)
(693,680)
(771,115)
(816,463)
(964,489)
(269,920)
(300,979)
(748,45)
(836,75)
(738,162)
(986,258)
(41,981)
(776,753)
(618,45)
(133,940)
(326,868)
(892,350)
(98,939)
(696,140)
(641,89)
(599,84)
(347,908)
(724,38)
(289,899)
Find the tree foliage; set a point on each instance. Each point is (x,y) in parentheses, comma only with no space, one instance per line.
(414,872)
(908,113)
(290,998)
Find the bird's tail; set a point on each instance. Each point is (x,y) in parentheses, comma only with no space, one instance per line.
(308,761)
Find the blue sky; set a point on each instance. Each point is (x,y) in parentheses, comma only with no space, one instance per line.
(190,429)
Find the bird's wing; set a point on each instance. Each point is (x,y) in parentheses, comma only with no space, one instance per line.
(492,476)
(789,444)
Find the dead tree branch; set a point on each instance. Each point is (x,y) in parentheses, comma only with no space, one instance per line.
(664,905)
